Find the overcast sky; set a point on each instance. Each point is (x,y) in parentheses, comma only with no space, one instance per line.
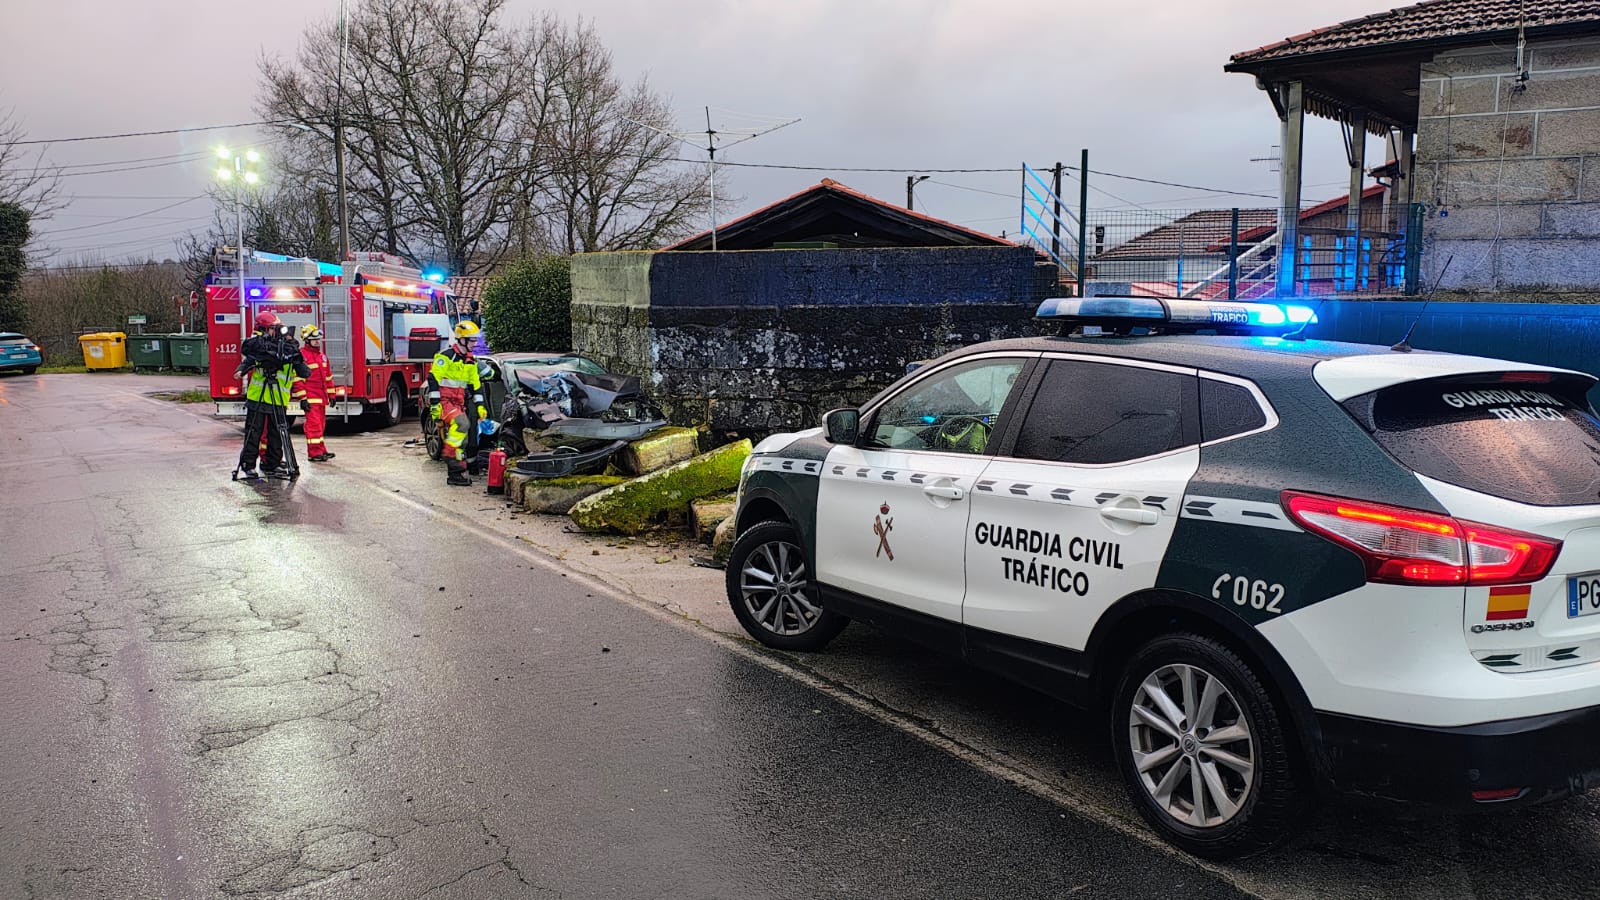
(908,85)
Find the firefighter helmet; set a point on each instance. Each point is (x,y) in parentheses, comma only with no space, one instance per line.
(310,333)
(266,319)
(466,329)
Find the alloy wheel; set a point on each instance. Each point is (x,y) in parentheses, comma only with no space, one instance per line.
(775,589)
(1192,745)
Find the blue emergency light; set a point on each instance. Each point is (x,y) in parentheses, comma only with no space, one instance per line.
(1170,315)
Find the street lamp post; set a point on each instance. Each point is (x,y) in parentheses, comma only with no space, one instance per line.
(242,173)
(911,183)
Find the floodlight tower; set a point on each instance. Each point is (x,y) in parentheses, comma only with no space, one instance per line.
(242,173)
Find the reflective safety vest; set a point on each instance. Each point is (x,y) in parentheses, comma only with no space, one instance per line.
(453,371)
(259,387)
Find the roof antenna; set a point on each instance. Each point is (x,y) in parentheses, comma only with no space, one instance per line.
(1405,343)
(767,126)
(1299,333)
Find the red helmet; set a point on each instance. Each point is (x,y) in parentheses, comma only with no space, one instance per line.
(266,320)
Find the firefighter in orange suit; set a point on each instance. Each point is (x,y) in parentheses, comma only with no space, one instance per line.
(454,392)
(319,384)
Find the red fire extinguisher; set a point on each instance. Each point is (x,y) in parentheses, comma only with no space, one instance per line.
(497,471)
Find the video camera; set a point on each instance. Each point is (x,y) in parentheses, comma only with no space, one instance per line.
(271,348)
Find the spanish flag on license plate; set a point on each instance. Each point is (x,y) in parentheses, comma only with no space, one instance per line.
(1508,602)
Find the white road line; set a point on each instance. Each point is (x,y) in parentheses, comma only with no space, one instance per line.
(840,692)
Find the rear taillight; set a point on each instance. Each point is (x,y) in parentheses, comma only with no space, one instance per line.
(1407,546)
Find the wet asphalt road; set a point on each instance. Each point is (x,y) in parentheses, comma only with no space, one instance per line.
(210,689)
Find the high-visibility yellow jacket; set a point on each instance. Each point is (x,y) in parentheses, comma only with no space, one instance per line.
(278,376)
(454,371)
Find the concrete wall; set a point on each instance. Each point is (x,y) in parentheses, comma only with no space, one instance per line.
(768,340)
(1509,171)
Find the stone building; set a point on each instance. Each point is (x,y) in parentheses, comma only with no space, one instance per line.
(1491,113)
(817,301)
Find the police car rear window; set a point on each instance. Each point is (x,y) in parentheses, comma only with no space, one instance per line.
(1526,437)
(1228,409)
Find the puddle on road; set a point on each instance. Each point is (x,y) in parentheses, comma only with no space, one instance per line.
(287,503)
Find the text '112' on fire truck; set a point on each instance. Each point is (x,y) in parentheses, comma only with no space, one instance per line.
(382,323)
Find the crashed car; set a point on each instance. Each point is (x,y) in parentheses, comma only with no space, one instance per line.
(561,412)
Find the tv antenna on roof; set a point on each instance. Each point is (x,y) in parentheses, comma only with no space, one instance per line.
(1274,161)
(760,125)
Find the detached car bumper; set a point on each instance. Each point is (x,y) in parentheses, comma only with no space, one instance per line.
(1513,761)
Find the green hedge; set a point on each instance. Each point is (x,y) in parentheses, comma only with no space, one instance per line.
(529,306)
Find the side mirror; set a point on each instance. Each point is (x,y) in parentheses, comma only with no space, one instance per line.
(840,426)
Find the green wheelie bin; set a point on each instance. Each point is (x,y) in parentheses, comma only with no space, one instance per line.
(149,351)
(188,351)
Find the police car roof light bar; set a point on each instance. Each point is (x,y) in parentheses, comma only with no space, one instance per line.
(1168,316)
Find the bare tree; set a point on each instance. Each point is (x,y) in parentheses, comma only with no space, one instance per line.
(469,139)
(25,180)
(613,183)
(86,294)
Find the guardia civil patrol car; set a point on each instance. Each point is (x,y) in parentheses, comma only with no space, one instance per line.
(1280,565)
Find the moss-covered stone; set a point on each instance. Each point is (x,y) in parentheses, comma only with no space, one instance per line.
(556,496)
(515,484)
(705,515)
(722,541)
(657,450)
(632,507)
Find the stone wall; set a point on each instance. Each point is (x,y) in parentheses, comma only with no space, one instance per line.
(1509,172)
(765,340)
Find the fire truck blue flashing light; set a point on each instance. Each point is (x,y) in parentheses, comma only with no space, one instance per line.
(1169,314)
(435,276)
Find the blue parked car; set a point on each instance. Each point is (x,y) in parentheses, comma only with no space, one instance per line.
(17,352)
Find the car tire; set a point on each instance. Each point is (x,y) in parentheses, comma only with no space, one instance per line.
(787,615)
(1236,752)
(30,370)
(434,444)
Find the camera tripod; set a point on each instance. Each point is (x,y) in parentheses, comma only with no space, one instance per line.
(289,466)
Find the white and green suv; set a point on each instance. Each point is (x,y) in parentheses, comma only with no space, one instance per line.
(1279,566)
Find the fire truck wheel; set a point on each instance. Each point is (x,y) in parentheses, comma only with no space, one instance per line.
(394,405)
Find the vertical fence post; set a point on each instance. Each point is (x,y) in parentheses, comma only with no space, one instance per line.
(1083,217)
(1413,249)
(1233,255)
(1055,220)
(1180,259)
(1022,229)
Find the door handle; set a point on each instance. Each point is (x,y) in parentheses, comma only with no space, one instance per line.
(1130,514)
(947,491)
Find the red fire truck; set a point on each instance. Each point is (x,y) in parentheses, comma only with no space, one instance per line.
(382,322)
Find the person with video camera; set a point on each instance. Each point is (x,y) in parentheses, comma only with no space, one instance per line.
(274,375)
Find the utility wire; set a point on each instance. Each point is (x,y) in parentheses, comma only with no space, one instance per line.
(131,134)
(190,154)
(136,215)
(125,197)
(163,165)
(1069,170)
(166,222)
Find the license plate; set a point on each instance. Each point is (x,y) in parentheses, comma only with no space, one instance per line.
(1583,595)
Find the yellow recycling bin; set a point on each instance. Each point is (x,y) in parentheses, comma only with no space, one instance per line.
(104,349)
